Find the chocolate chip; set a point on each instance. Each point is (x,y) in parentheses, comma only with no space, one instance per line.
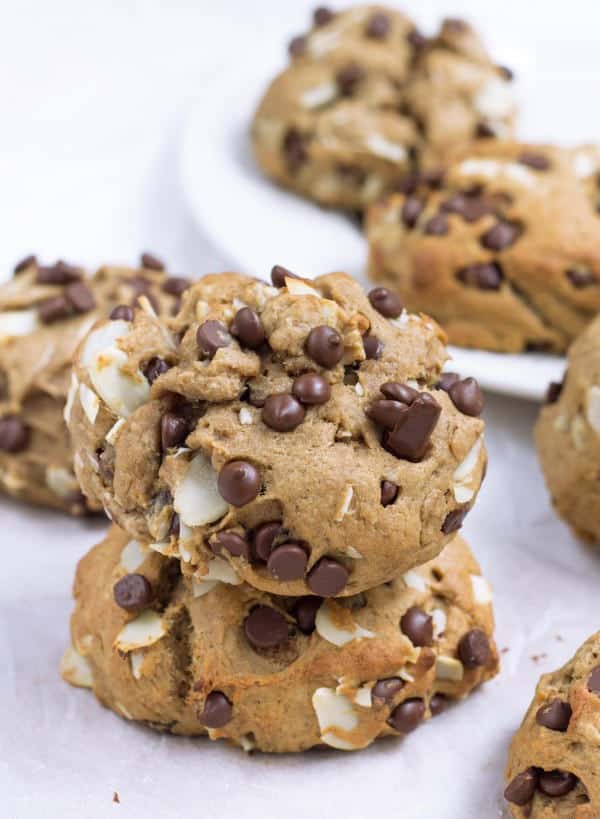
(411,210)
(418,626)
(397,391)
(407,716)
(175,526)
(132,592)
(593,683)
(282,412)
(485,276)
(373,347)
(287,562)
(455,25)
(174,430)
(239,482)
(322,15)
(80,297)
(416,39)
(248,328)
(175,285)
(447,380)
(437,225)
(151,262)
(154,368)
(470,206)
(122,311)
(378,26)
(437,704)
(59,273)
(411,435)
(386,413)
(305,611)
(327,578)
(556,783)
(348,77)
(500,236)
(28,261)
(54,309)
(265,627)
(279,274)
(212,335)
(408,184)
(521,789)
(536,161)
(264,537)
(311,388)
(297,46)
(385,302)
(467,397)
(454,520)
(230,542)
(217,710)
(389,492)
(484,131)
(506,73)
(474,648)
(14,434)
(294,149)
(580,278)
(554,715)
(325,346)
(553,392)
(385,690)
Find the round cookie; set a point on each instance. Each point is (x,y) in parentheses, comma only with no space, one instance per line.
(44,313)
(567,434)
(506,254)
(366,97)
(299,431)
(553,769)
(277,674)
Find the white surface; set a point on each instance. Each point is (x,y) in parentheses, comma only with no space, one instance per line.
(92,99)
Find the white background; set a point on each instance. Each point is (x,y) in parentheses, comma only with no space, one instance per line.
(93,98)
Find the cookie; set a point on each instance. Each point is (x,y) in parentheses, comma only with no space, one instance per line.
(367,98)
(567,434)
(300,431)
(553,763)
(44,313)
(506,254)
(272,673)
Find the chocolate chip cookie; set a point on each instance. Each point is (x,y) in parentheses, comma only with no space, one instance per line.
(505,254)
(367,98)
(301,431)
(553,764)
(45,310)
(568,437)
(273,673)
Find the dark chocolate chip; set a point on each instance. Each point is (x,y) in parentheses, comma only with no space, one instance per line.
(389,492)
(212,335)
(455,25)
(437,225)
(122,311)
(437,704)
(474,648)
(132,592)
(174,430)
(416,39)
(264,537)
(14,434)
(294,149)
(348,77)
(248,328)
(175,526)
(411,210)
(305,611)
(239,482)
(327,578)
(505,72)
(411,435)
(485,276)
(593,683)
(28,261)
(287,562)
(447,380)
(322,15)
(418,626)
(217,710)
(279,274)
(397,391)
(556,783)
(59,273)
(408,184)
(325,346)
(407,716)
(581,278)
(151,262)
(385,302)
(521,789)
(554,715)
(231,542)
(470,207)
(175,285)
(484,131)
(265,627)
(467,397)
(80,297)
(282,412)
(553,392)
(454,520)
(154,368)
(386,413)
(373,347)
(297,46)
(378,26)
(311,388)
(500,236)
(54,309)
(385,690)
(536,161)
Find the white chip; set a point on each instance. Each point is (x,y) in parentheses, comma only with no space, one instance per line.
(75,669)
(334,711)
(147,628)
(133,555)
(319,95)
(90,402)
(448,668)
(592,409)
(439,622)
(350,551)
(60,481)
(482,591)
(328,630)
(111,435)
(584,165)
(414,580)
(384,148)
(17,323)
(344,505)
(219,571)
(197,499)
(245,416)
(136,659)
(363,696)
(495,100)
(298,287)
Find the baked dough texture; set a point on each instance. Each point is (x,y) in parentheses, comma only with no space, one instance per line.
(553,769)
(300,432)
(367,99)
(505,254)
(44,313)
(567,434)
(273,673)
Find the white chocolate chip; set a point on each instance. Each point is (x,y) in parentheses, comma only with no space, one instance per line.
(382,147)
(197,499)
(495,100)
(133,555)
(491,168)
(298,287)
(448,668)
(363,697)
(319,95)
(111,435)
(482,591)
(219,571)
(405,675)
(73,387)
(578,431)
(341,632)
(60,481)
(592,409)
(185,553)
(247,743)
(561,423)
(90,402)
(245,416)
(323,41)
(136,659)
(439,622)
(17,323)
(464,474)
(402,322)
(144,630)
(334,711)
(202,309)
(344,505)
(584,164)
(414,580)
(123,711)
(350,551)
(75,669)
(359,389)
(146,305)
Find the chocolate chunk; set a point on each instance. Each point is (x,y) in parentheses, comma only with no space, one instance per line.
(447,380)
(59,273)
(467,397)
(311,388)
(54,309)
(279,274)
(389,492)
(230,542)
(385,690)
(485,276)
(418,626)
(378,26)
(155,367)
(305,611)
(553,392)
(239,482)
(437,704)
(385,302)
(297,46)
(411,435)
(386,413)
(14,434)
(132,592)
(407,716)
(322,15)
(500,236)
(282,412)
(80,297)
(287,562)
(248,328)
(593,683)
(325,346)
(474,649)
(174,430)
(411,210)
(580,278)
(265,627)
(348,77)
(151,262)
(556,783)
(521,789)
(536,161)
(294,149)
(437,225)
(28,261)
(373,347)
(217,710)
(264,537)
(122,311)
(175,285)
(212,335)
(397,391)
(484,131)
(327,578)
(454,520)
(554,715)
